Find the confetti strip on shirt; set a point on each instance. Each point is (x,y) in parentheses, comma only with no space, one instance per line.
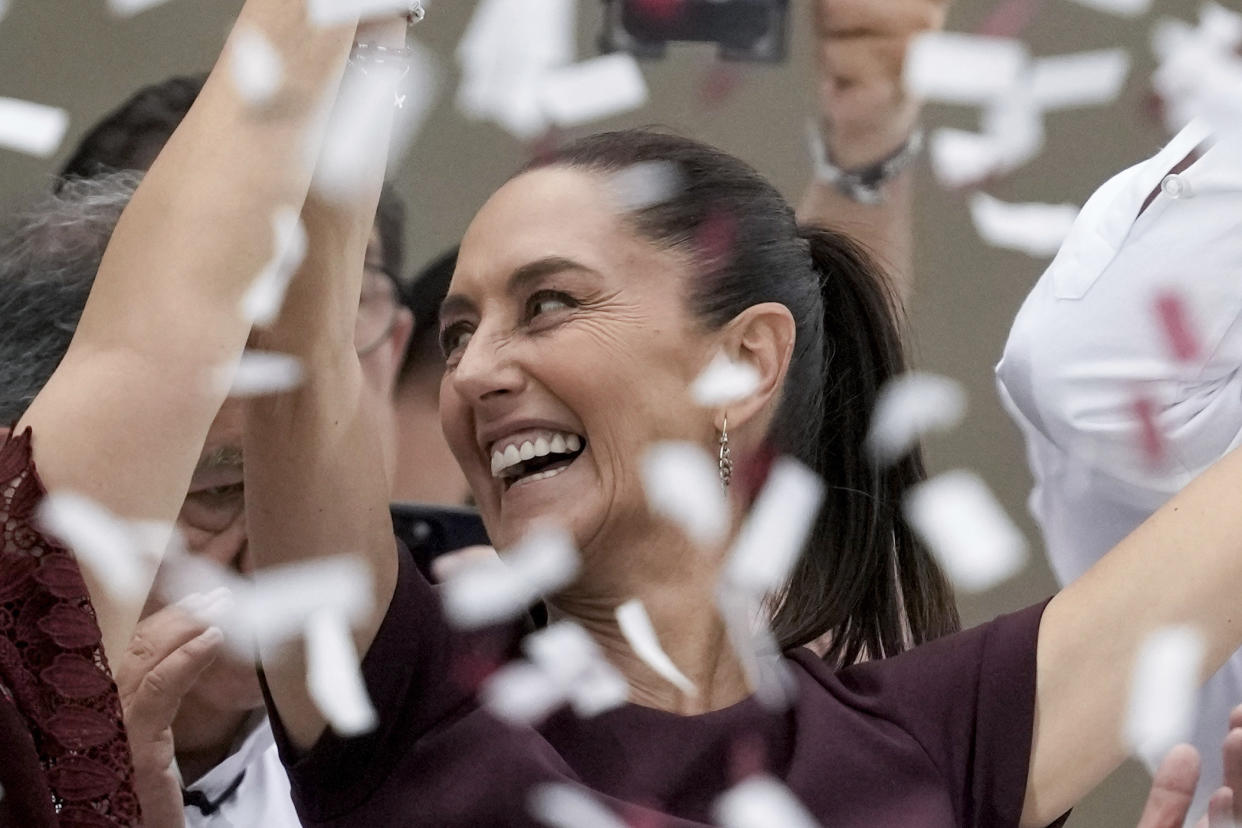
(910,407)
(1179,333)
(560,805)
(1081,79)
(1035,229)
(258,373)
(255,66)
(638,630)
(333,678)
(761,802)
(594,89)
(724,381)
(1163,691)
(31,128)
(262,301)
(682,483)
(956,68)
(966,528)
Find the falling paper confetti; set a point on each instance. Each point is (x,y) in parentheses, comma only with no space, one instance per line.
(129,8)
(333,678)
(598,88)
(4,9)
(121,554)
(521,693)
(909,407)
(1163,691)
(261,303)
(254,66)
(570,657)
(772,538)
(490,590)
(682,483)
(761,802)
(560,805)
(1077,80)
(261,372)
(1035,229)
(1150,437)
(951,67)
(1200,69)
(964,526)
(1178,332)
(645,184)
(724,381)
(336,12)
(638,630)
(31,128)
(1122,8)
(745,617)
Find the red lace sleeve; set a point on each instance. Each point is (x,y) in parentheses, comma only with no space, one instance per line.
(52,665)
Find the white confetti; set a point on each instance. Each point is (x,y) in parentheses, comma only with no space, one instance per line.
(32,128)
(1035,229)
(1121,8)
(952,67)
(385,99)
(129,8)
(1163,691)
(772,538)
(761,802)
(1082,79)
(262,302)
(964,526)
(645,184)
(638,630)
(910,407)
(682,483)
(568,655)
(594,89)
(493,590)
(337,12)
(121,554)
(4,9)
(261,372)
(333,677)
(565,806)
(724,381)
(960,158)
(1200,69)
(254,66)
(521,693)
(745,618)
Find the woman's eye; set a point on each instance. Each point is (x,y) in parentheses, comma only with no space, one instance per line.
(455,338)
(547,302)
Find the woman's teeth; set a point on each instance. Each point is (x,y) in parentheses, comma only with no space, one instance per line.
(506,459)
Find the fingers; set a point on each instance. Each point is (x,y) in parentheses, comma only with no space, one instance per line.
(847,17)
(1235,717)
(449,564)
(1231,753)
(157,635)
(1172,789)
(1220,809)
(153,705)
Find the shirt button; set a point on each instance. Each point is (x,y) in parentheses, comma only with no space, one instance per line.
(1174,186)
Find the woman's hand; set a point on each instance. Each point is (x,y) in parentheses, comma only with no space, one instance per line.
(866,112)
(1173,786)
(168,652)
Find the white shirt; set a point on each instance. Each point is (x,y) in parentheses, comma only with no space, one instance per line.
(1088,342)
(260,801)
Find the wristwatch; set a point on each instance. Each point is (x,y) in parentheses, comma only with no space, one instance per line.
(865,185)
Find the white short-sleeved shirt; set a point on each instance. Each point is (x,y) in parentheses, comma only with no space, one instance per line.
(1089,343)
(260,800)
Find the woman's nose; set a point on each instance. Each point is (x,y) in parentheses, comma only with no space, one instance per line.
(486,369)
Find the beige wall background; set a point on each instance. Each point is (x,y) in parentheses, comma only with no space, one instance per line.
(70,53)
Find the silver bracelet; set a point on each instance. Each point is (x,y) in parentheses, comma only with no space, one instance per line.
(416,12)
(863,185)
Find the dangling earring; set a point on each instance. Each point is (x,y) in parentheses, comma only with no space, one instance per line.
(726,461)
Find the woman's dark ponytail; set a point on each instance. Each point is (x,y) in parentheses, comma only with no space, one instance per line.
(865,578)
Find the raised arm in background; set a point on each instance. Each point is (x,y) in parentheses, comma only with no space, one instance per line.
(319,444)
(163,315)
(866,117)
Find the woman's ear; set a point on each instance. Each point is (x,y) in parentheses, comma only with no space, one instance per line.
(762,337)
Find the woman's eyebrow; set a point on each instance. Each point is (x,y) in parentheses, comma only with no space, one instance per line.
(519,280)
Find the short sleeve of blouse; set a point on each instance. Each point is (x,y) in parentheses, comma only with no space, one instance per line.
(969,701)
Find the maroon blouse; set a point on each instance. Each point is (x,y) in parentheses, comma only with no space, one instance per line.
(939,736)
(64,758)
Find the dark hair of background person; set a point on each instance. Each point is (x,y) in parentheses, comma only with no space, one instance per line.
(864,580)
(423,295)
(49,254)
(132,135)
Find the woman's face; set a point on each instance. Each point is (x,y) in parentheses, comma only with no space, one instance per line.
(570,349)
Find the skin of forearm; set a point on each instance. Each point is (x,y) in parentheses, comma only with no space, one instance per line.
(1181,567)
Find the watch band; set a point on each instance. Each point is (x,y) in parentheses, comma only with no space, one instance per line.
(863,185)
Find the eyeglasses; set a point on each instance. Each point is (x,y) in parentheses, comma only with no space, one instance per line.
(378,309)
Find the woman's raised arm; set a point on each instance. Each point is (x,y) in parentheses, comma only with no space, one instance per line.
(124,417)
